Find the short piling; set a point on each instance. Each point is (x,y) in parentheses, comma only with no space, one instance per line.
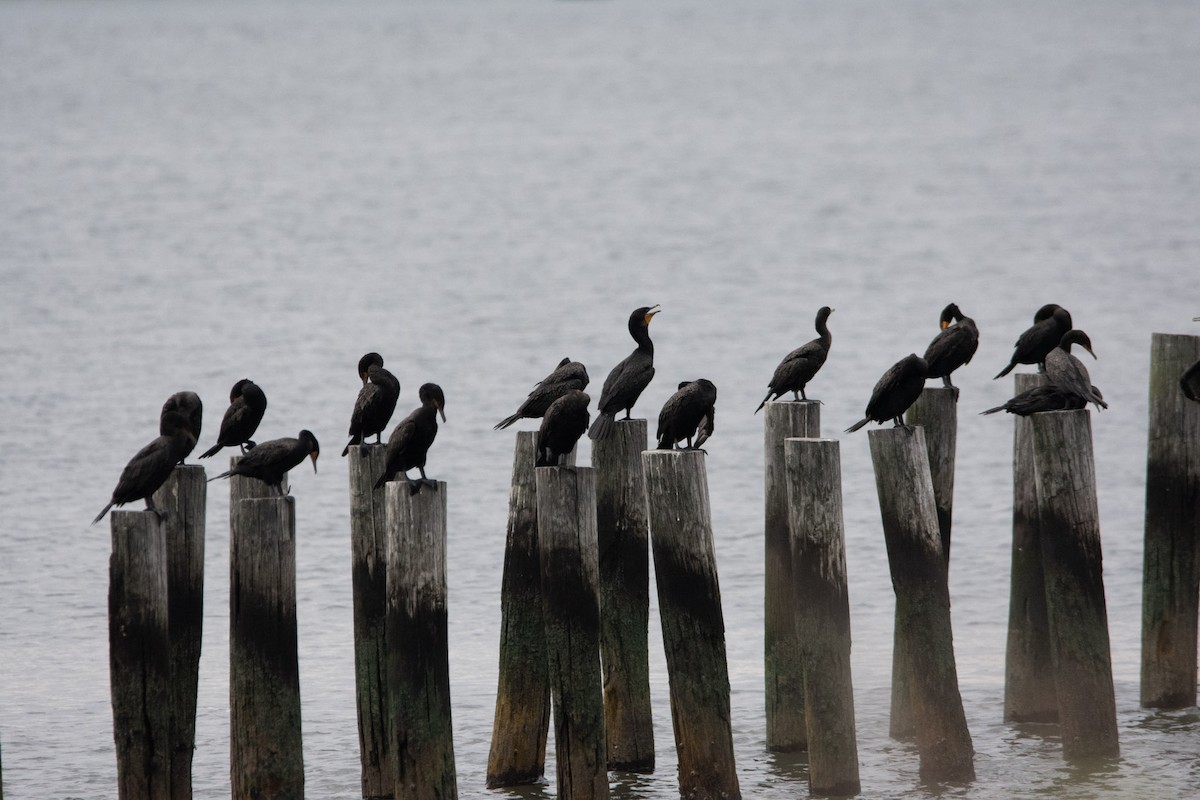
(1171,560)
(1071,557)
(418,643)
(140,655)
(693,627)
(919,578)
(522,719)
(567,541)
(266,758)
(821,598)
(786,727)
(624,540)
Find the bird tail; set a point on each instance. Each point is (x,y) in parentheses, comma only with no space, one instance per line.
(504,423)
(225,474)
(100,516)
(858,425)
(355,439)
(603,427)
(212,451)
(384,478)
(1006,370)
(763,403)
(993,410)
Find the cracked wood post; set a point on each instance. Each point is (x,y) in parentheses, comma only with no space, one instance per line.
(1029,694)
(624,541)
(910,530)
(1170,570)
(183,498)
(266,757)
(139,655)
(786,728)
(418,643)
(1066,490)
(368,549)
(814,484)
(566,512)
(693,627)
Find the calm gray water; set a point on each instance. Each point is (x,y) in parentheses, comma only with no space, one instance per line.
(195,193)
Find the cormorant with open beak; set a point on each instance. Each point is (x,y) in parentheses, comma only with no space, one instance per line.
(628,379)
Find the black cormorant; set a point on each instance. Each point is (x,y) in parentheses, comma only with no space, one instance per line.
(687,413)
(628,379)
(152,465)
(247,404)
(1068,372)
(563,423)
(567,376)
(953,347)
(1047,397)
(376,401)
(799,366)
(1050,323)
(898,389)
(1189,382)
(270,461)
(409,443)
(188,404)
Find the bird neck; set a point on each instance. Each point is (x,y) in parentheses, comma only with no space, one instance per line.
(641,335)
(823,331)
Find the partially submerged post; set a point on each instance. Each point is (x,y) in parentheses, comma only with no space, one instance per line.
(624,542)
(368,547)
(814,483)
(1071,557)
(1171,566)
(689,600)
(418,643)
(786,728)
(566,504)
(139,655)
(264,677)
(918,569)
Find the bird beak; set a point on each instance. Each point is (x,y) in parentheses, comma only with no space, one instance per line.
(313,455)
(945,324)
(440,411)
(1092,352)
(650,314)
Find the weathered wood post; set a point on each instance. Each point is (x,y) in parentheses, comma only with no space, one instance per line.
(786,728)
(183,498)
(936,410)
(266,758)
(822,602)
(139,655)
(243,488)
(1029,694)
(519,728)
(918,569)
(368,552)
(624,542)
(566,503)
(1070,526)
(689,600)
(1171,560)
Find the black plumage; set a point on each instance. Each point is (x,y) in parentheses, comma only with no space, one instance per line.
(188,404)
(953,347)
(375,403)
(1189,382)
(1068,372)
(152,465)
(408,446)
(247,405)
(563,423)
(799,366)
(567,376)
(628,379)
(1047,397)
(1050,324)
(687,413)
(270,461)
(898,389)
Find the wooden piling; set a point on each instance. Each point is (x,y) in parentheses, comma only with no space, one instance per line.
(1070,526)
(566,505)
(821,599)
(693,627)
(140,655)
(1029,694)
(418,643)
(266,758)
(624,540)
(368,569)
(243,488)
(901,463)
(522,719)
(786,727)
(183,498)
(936,410)
(1171,560)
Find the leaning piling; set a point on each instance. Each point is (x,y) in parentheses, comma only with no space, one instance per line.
(936,410)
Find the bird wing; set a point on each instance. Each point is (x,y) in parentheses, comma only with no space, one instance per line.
(626,381)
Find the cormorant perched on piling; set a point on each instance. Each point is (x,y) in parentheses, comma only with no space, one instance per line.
(409,443)
(1050,324)
(687,412)
(953,347)
(247,404)
(627,380)
(270,461)
(1047,397)
(1068,372)
(376,401)
(799,366)
(188,404)
(898,389)
(563,423)
(567,376)
(152,465)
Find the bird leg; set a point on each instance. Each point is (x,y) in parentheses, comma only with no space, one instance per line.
(947,384)
(162,515)
(430,482)
(414,486)
(242,447)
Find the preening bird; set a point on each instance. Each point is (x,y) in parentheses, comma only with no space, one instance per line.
(1050,323)
(628,379)
(898,389)
(188,404)
(270,461)
(408,446)
(799,366)
(247,404)
(376,401)
(953,347)
(152,465)
(1068,372)
(1047,397)
(567,376)
(563,423)
(686,414)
